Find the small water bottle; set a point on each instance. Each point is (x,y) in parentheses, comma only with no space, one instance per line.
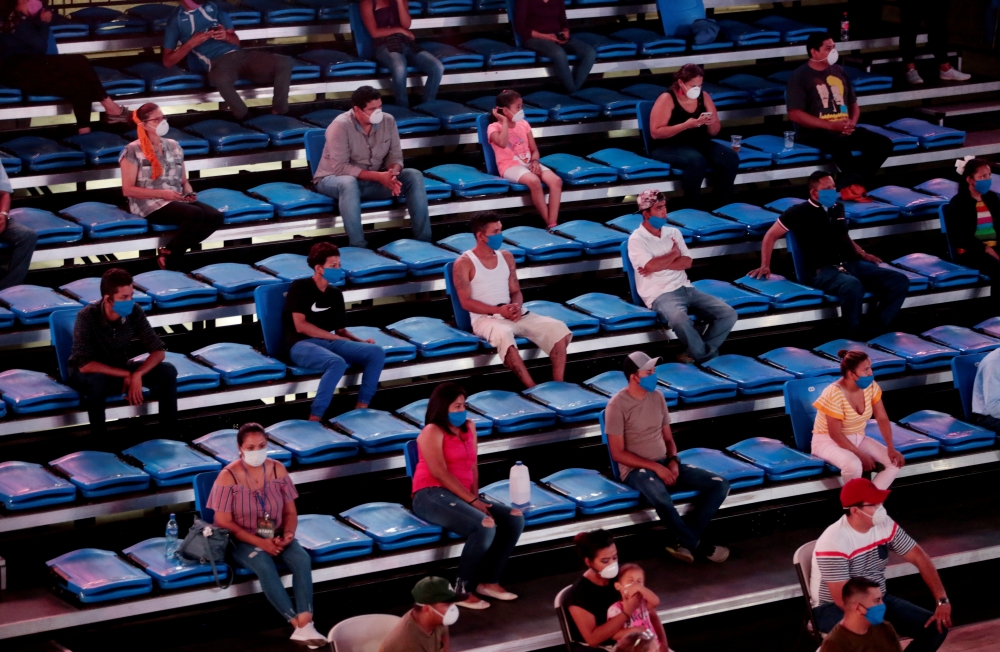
(520,485)
(845,28)
(171,545)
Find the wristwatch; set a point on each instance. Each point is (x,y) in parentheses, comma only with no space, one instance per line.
(944,601)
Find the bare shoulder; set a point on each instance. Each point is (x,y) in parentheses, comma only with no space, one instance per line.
(278,468)
(227,477)
(509,257)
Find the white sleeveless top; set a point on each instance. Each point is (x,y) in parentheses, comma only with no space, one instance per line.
(491,286)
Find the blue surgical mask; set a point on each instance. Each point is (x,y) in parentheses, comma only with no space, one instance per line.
(123,308)
(494,241)
(657,222)
(875,614)
(333,275)
(828,197)
(864,382)
(984,185)
(648,383)
(458,419)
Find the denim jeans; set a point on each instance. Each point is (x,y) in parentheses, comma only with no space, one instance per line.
(350,192)
(908,619)
(295,558)
(21,242)
(890,288)
(95,389)
(423,61)
(332,357)
(874,148)
(687,529)
(487,549)
(585,57)
(675,308)
(695,163)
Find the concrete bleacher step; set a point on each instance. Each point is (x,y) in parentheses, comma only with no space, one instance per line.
(942,113)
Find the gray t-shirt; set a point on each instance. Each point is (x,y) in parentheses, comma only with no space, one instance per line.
(172,178)
(641,422)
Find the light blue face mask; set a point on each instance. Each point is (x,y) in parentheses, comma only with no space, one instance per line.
(984,185)
(875,614)
(123,308)
(458,419)
(494,241)
(864,382)
(333,275)
(828,197)
(648,383)
(657,222)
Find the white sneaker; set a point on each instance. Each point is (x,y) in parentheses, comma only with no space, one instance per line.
(953,74)
(913,77)
(308,636)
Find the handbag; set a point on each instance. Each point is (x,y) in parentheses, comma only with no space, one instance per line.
(206,543)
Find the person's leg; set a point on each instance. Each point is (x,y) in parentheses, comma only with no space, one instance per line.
(586,55)
(430,65)
(263,67)
(316,354)
(721,318)
(560,64)
(439,506)
(883,479)
(827,616)
(988,422)
(909,17)
(500,334)
(347,194)
(693,165)
(548,334)
(94,390)
(509,526)
(162,382)
(725,164)
(537,195)
(555,184)
(21,242)
(850,294)
(909,620)
(297,559)
(195,221)
(888,286)
(830,143)
(673,307)
(416,202)
(828,450)
(652,488)
(712,492)
(224,74)
(875,149)
(935,14)
(371,357)
(262,564)
(396,63)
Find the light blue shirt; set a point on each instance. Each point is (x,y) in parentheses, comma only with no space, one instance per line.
(5,181)
(986,389)
(184,24)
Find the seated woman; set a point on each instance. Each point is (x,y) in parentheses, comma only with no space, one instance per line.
(254,498)
(543,27)
(25,64)
(156,184)
(388,22)
(517,156)
(446,493)
(591,596)
(843,409)
(686,120)
(971,218)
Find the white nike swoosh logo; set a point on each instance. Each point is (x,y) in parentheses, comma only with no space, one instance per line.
(315,309)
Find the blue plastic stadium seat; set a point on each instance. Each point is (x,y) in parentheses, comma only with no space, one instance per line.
(991,327)
(454,58)
(487,103)
(235,206)
(155,15)
(799,398)
(745,35)
(335,63)
(416,412)
(396,350)
(281,129)
(31,392)
(49,228)
(750,158)
(919,353)
(775,146)
(963,376)
(678,16)
(562,108)
(912,444)
(11,164)
(171,573)
(918,282)
(100,220)
(929,135)
(611,382)
(510,412)
(467,181)
(647,92)
(292,200)
(434,338)
(543,506)
(326,539)
(751,376)
(629,165)
(783,204)
(222,445)
(569,401)
(365,266)
(650,44)
(864,81)
(778,461)
(783,293)
(739,474)
(436,7)
(99,147)
(328,9)
(6,321)
(97,474)
(941,273)
(629,223)
(191,145)
(24,485)
(760,90)
(92,575)
(953,434)
(310,442)
(706,227)
(225,136)
(755,220)
(434,190)
(792,31)
(462,242)
(909,202)
(900,142)
(391,525)
(452,115)
(592,492)
(174,290)
(742,301)
(241,16)
(964,340)
(32,304)
(869,212)
(276,12)
(63,27)
(496,54)
(411,122)
(191,376)
(39,154)
(171,462)
(800,363)
(613,313)
(108,22)
(239,364)
(883,363)
(613,104)
(9,95)
(160,79)
(577,171)
(578,323)
(540,245)
(694,385)
(606,47)
(235,281)
(946,188)
(420,258)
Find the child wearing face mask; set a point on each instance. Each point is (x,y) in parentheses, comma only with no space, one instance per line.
(517,156)
(632,580)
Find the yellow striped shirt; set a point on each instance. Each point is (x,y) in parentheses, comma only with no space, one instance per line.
(832,402)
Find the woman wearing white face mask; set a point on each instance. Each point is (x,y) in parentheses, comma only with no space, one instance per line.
(593,593)
(686,120)
(156,184)
(254,498)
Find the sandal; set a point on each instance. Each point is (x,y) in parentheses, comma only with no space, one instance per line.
(161,257)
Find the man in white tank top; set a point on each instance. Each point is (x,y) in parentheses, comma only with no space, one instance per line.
(486,282)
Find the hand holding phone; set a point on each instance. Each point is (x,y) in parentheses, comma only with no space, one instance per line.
(706,116)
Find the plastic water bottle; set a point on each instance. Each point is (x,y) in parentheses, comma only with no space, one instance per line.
(520,484)
(845,28)
(171,545)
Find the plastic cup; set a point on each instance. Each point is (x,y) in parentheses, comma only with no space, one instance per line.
(735,140)
(789,139)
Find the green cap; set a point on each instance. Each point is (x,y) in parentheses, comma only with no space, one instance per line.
(435,589)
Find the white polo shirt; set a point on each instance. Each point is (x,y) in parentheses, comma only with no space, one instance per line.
(644,246)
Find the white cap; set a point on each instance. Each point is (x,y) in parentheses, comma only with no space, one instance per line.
(639,361)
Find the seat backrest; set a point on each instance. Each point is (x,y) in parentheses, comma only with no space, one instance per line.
(362,39)
(510,20)
(315,140)
(61,325)
(642,111)
(611,459)
(362,633)
(482,124)
(411,456)
(799,398)
(562,613)
(630,273)
(802,559)
(963,376)
(462,318)
(270,302)
(202,488)
(677,15)
(802,275)
(943,215)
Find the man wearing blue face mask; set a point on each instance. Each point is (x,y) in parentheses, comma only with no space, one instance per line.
(863,628)
(314,323)
(835,263)
(106,335)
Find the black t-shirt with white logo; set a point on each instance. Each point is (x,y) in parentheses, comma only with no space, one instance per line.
(322,309)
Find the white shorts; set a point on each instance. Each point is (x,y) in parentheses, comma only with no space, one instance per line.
(544,332)
(515,172)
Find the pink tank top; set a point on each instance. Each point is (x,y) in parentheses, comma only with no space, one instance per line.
(459,457)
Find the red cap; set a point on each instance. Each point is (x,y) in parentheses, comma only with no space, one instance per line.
(861,490)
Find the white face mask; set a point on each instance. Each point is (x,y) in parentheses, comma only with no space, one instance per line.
(449,617)
(518,116)
(831,58)
(693,93)
(162,128)
(610,571)
(879,517)
(255,458)
(376,116)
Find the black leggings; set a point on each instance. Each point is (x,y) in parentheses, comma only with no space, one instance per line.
(195,221)
(65,75)
(934,15)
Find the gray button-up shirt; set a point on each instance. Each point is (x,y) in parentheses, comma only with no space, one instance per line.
(348,151)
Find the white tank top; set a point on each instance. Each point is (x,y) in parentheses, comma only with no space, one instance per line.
(491,286)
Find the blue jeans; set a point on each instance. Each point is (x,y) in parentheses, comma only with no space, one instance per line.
(675,308)
(890,288)
(687,529)
(21,241)
(908,619)
(487,549)
(350,192)
(332,357)
(694,162)
(585,57)
(423,61)
(294,557)
(95,388)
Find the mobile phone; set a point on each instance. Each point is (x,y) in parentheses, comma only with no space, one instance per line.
(191,196)
(706,114)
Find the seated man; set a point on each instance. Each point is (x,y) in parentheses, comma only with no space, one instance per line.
(986,392)
(424,628)
(863,626)
(659,256)
(822,104)
(637,424)
(486,282)
(203,34)
(362,161)
(106,336)
(858,545)
(20,240)
(838,265)
(314,324)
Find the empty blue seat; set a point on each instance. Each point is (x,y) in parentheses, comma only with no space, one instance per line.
(799,397)
(909,202)
(105,21)
(705,226)
(569,401)
(540,245)
(946,188)
(629,165)
(783,204)
(462,242)
(592,492)
(310,442)
(452,115)
(99,147)
(436,7)
(783,293)
(918,282)
(411,122)
(30,392)
(864,81)
(454,58)
(63,27)
(326,539)
(92,575)
(751,376)
(606,47)
(613,104)
(292,200)
(235,206)
(647,92)
(49,228)
(543,506)
(739,474)
(578,323)
(467,181)
(434,190)
(912,444)
(750,159)
(155,15)
(694,385)
(420,258)
(100,220)
(778,461)
(742,301)
(962,339)
(991,327)
(562,108)
(396,350)
(235,281)
(375,430)
(941,273)
(241,16)
(792,31)
(335,63)
(239,364)
(222,445)
(761,90)
(745,35)
(577,171)
(6,321)
(613,313)
(650,44)
(496,54)
(39,154)
(365,266)
(611,382)
(963,376)
(755,220)
(391,525)
(97,473)
(883,363)
(191,145)
(32,304)
(24,485)
(225,136)
(510,412)
(328,9)
(953,434)
(869,212)
(416,412)
(174,290)
(929,135)
(9,95)
(170,462)
(191,376)
(11,164)
(281,129)
(172,573)
(276,12)
(775,146)
(900,142)
(919,353)
(800,363)
(160,79)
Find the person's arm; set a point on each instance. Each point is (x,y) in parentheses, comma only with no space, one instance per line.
(616,442)
(660,116)
(462,274)
(513,285)
(289,513)
(594,635)
(855,114)
(348,335)
(803,119)
(130,172)
(445,637)
(226,32)
(172,56)
(836,428)
(991,387)
(960,221)
(501,137)
(303,327)
(776,231)
(338,150)
(661,633)
(675,259)
(4,209)
(924,564)
(652,600)
(225,520)
(714,125)
(885,428)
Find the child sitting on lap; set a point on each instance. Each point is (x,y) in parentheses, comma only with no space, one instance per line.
(632,580)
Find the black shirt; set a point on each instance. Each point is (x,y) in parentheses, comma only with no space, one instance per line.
(697,137)
(821,234)
(95,339)
(322,309)
(595,599)
(961,220)
(824,94)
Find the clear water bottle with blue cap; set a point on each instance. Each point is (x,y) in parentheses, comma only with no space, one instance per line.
(171,545)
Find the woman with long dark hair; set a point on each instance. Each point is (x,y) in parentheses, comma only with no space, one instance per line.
(446,493)
(595,591)
(971,218)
